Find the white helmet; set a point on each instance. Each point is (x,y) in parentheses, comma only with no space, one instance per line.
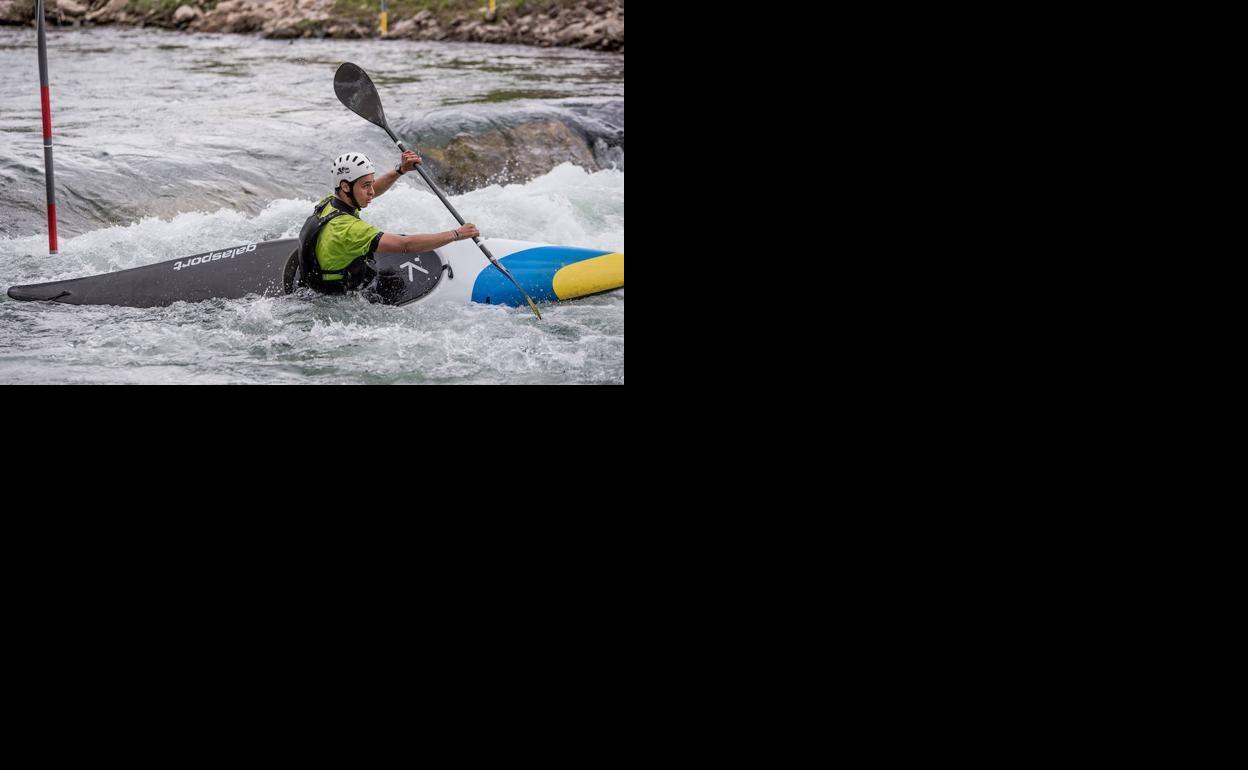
(352,166)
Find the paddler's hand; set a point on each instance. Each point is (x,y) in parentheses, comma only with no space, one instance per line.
(409,162)
(466,231)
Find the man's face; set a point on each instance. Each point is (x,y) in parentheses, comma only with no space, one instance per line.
(364,192)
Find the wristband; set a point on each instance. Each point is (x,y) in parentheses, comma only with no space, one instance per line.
(399,169)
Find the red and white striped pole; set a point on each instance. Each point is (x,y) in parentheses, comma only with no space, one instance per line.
(47,131)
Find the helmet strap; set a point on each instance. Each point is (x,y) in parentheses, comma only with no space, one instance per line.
(350,192)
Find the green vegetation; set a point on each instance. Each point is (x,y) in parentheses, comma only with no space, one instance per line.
(444,10)
(154,5)
(163,6)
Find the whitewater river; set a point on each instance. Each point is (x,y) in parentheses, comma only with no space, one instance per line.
(170,145)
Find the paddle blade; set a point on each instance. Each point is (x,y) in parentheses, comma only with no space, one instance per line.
(356,90)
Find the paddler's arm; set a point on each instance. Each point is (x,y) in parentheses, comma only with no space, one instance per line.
(386,179)
(398,244)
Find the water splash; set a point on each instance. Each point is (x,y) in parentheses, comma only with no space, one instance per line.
(313,339)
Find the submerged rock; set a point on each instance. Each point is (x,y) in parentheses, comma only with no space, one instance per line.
(509,155)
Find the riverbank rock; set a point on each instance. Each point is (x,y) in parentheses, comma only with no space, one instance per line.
(113,11)
(236,16)
(591,24)
(70,9)
(186,14)
(16,11)
(56,11)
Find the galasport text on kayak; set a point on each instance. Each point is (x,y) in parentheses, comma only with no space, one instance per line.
(213,257)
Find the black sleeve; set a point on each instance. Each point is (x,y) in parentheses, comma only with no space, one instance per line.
(376,242)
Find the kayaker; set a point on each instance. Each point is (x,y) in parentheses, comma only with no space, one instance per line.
(337,246)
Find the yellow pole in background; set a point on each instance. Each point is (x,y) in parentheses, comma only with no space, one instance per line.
(385,17)
(490,14)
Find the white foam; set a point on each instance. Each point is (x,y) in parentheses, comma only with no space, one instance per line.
(568,206)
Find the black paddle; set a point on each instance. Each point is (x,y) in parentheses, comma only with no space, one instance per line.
(356,90)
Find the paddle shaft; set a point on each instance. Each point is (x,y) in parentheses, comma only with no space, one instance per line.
(449,207)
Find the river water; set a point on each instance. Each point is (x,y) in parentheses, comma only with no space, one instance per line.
(171,144)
